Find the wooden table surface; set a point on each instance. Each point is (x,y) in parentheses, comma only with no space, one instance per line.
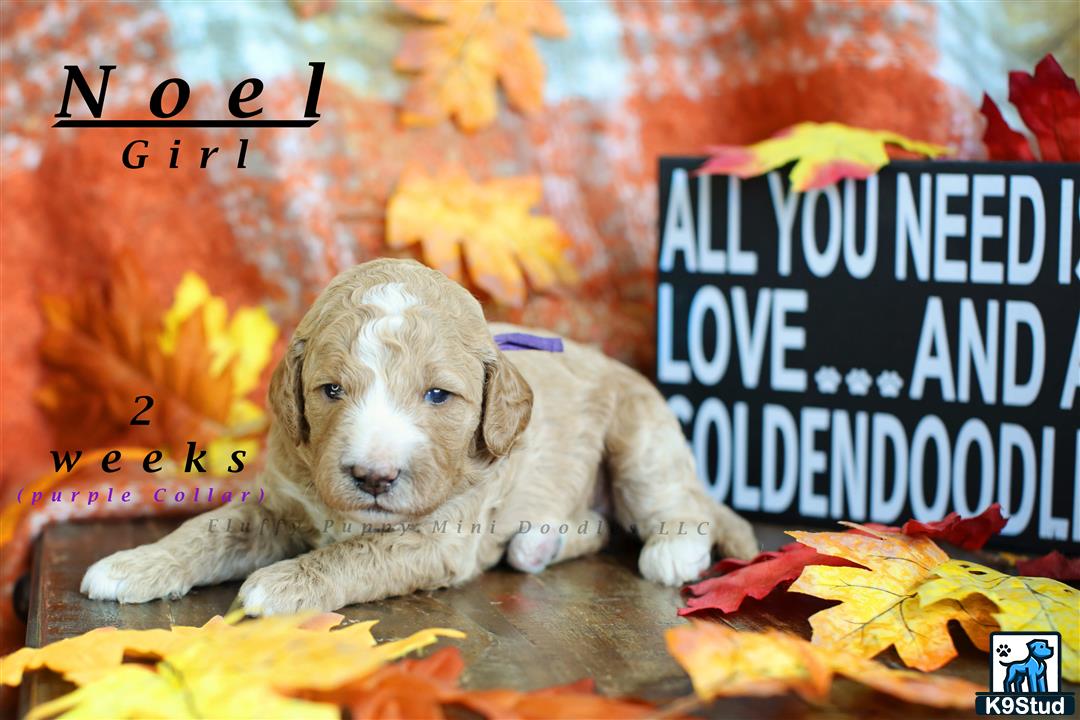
(592,617)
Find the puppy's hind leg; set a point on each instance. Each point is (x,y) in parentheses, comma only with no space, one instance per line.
(535,549)
(657,492)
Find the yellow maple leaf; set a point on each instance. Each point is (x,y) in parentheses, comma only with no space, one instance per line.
(824,153)
(86,657)
(879,602)
(1023,604)
(491,223)
(222,669)
(240,346)
(83,658)
(724,662)
(466,47)
(111,343)
(137,691)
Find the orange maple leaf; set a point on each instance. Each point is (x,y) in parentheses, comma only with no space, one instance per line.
(307,9)
(491,222)
(424,688)
(468,46)
(724,662)
(113,342)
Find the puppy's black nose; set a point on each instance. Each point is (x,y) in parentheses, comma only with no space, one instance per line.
(374,481)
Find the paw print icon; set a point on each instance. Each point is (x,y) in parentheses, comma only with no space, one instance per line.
(890,383)
(828,380)
(1003,651)
(858,381)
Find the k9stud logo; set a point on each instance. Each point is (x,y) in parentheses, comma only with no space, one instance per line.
(1025,676)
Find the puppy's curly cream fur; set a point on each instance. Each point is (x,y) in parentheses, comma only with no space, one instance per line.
(513,444)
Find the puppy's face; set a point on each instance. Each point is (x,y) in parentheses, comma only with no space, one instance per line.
(393,388)
(392,403)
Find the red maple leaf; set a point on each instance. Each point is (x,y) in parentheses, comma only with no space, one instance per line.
(1049,104)
(754,578)
(968,533)
(735,580)
(1002,142)
(1052,565)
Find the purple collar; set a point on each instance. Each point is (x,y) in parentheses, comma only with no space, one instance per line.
(524,341)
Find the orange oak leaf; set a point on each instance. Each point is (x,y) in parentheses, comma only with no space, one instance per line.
(879,602)
(465,48)
(490,223)
(823,154)
(724,662)
(426,688)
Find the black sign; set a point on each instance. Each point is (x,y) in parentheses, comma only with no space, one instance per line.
(899,347)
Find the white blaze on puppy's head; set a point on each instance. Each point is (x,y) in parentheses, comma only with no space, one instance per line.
(383,435)
(392,298)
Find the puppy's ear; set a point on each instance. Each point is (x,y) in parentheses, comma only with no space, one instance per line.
(287,393)
(507,407)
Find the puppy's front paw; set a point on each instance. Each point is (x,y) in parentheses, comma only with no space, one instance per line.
(674,560)
(286,587)
(138,575)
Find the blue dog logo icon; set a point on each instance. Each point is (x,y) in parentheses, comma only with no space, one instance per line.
(1027,687)
(1030,671)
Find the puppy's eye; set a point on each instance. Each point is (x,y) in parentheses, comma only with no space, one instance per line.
(437,396)
(332,391)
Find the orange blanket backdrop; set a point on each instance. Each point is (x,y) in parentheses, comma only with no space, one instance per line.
(599,91)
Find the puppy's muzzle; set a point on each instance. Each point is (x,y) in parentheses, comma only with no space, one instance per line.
(373,480)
